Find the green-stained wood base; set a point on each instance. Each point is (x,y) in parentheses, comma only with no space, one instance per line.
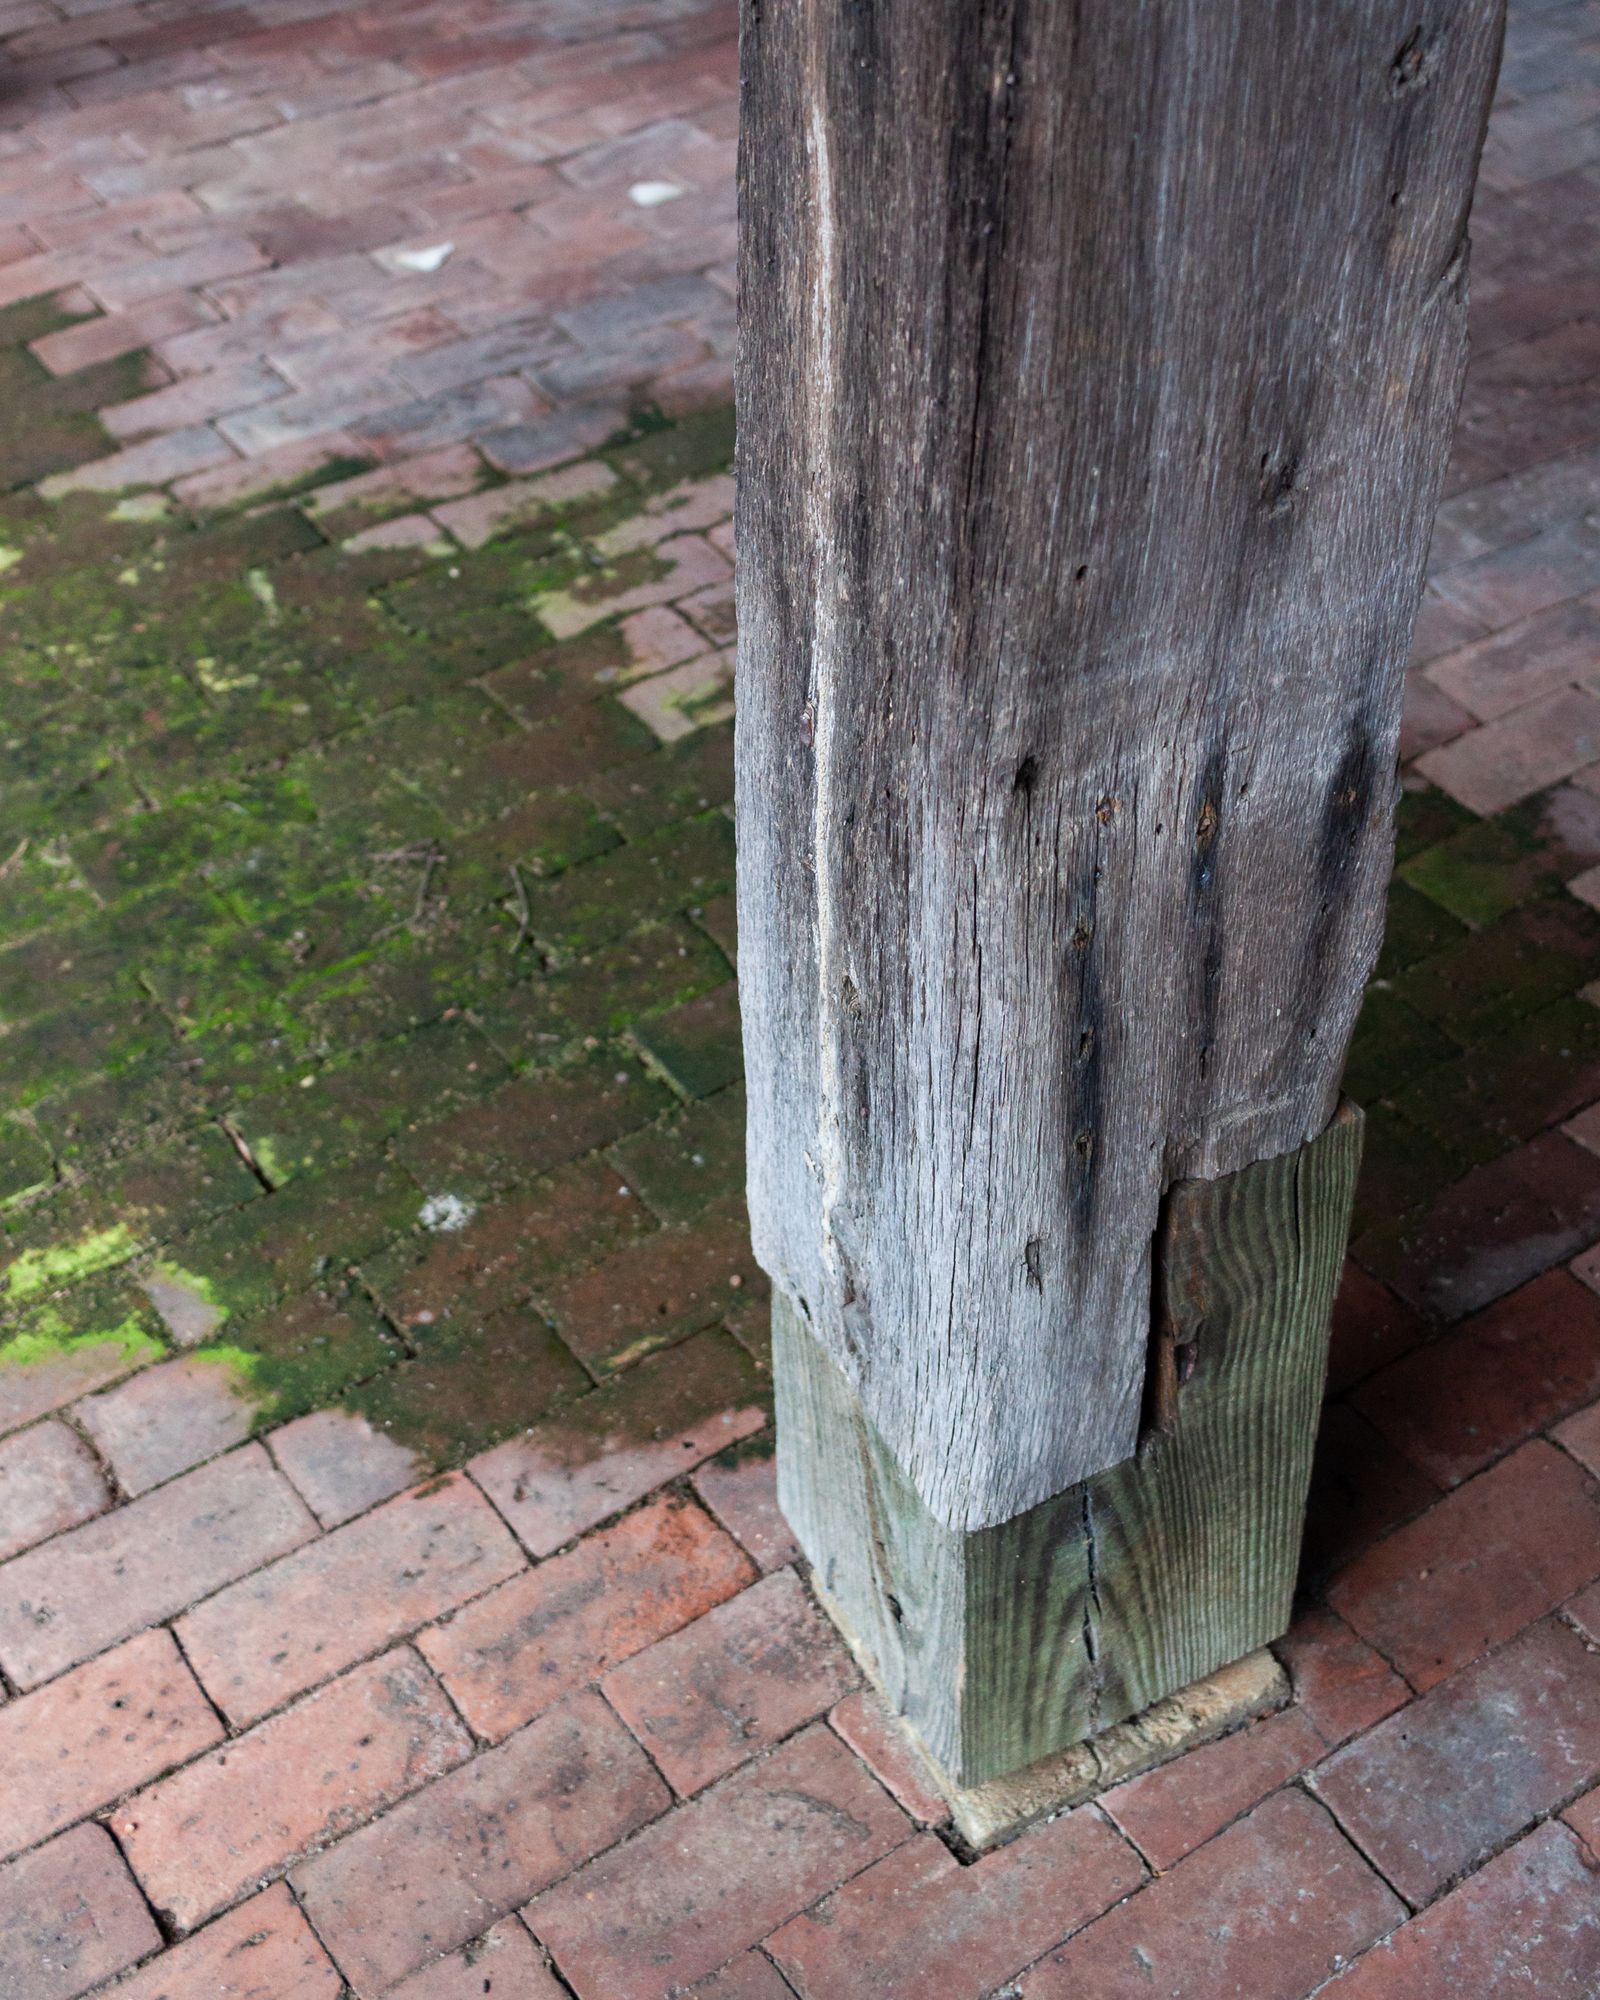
(1002,1646)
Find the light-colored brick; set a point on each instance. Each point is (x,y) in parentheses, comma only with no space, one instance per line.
(96,1732)
(48,1481)
(161,1422)
(263,1950)
(443,1866)
(505,1960)
(70,1915)
(351,1593)
(137,1566)
(294,1783)
(340,1465)
(523,1647)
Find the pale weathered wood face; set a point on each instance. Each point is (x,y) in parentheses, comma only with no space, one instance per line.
(1098,373)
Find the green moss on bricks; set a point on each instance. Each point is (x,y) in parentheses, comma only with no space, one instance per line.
(97,1316)
(56,1265)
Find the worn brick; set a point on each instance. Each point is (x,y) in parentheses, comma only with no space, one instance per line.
(505,1248)
(263,1950)
(443,1865)
(169,1418)
(1170,1811)
(1492,767)
(741,1677)
(48,1481)
(741,1489)
(302,1619)
(96,1732)
(1271,1907)
(1527,1922)
(1430,1792)
(656,1289)
(340,1466)
(505,1960)
(681,1898)
(523,1647)
(531,1125)
(1580,1435)
(1340,1683)
(917,1922)
(865,1721)
(70,1915)
(1361,1488)
(292,1784)
(1370,1328)
(137,1566)
(1525,661)
(607,1450)
(1509,1371)
(1489,1558)
(750,1976)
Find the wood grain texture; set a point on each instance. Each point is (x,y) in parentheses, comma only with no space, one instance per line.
(1004,1644)
(1098,369)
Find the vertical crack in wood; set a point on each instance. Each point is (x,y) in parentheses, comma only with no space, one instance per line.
(1092,1611)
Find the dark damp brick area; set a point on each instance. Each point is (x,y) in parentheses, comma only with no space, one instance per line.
(349,926)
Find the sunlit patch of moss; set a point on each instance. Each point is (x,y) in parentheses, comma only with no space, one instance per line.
(53,1265)
(49,1335)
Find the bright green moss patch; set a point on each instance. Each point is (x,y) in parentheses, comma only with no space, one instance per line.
(60,1264)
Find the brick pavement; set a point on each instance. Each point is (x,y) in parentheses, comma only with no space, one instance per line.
(393,1598)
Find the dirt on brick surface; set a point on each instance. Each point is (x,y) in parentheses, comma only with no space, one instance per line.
(393,1595)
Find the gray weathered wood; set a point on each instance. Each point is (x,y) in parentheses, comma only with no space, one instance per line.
(1003,1644)
(1098,368)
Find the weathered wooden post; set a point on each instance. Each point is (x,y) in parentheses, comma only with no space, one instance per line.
(1099,365)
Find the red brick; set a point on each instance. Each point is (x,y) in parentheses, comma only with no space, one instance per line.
(529,1126)
(152,463)
(97,1732)
(654,1290)
(1580,1435)
(1361,1488)
(705,1700)
(865,1722)
(1518,665)
(507,1248)
(522,1648)
(69,1916)
(1508,1372)
(250,1809)
(1527,1922)
(443,1865)
(48,1481)
(1495,1228)
(1492,767)
(107,336)
(748,1977)
(1431,1791)
(605,1451)
(74,1596)
(1371,1327)
(1583,1816)
(164,1420)
(505,1960)
(741,1489)
(54,1380)
(350,1594)
(1428,718)
(1339,1681)
(263,1950)
(657,639)
(683,1897)
(918,1923)
(1167,1813)
(1479,1565)
(1267,1909)
(340,1465)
